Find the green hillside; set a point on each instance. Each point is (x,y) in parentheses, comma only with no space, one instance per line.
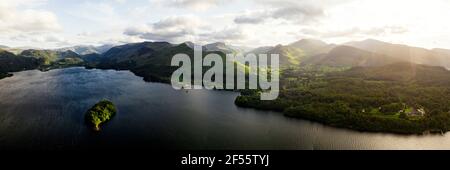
(49,56)
(12,63)
(398,98)
(346,56)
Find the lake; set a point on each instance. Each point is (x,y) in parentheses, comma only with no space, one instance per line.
(45,111)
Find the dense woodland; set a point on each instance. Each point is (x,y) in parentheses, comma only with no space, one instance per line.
(365,99)
(100,113)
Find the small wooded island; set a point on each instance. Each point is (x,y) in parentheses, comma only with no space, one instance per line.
(4,75)
(100,113)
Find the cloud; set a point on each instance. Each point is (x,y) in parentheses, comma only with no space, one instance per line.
(291,3)
(184,28)
(171,29)
(120,1)
(22,17)
(23,22)
(249,20)
(295,12)
(197,5)
(96,12)
(178,22)
(227,35)
(164,36)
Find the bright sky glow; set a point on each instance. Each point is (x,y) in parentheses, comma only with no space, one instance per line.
(60,23)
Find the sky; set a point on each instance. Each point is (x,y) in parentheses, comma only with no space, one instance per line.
(251,23)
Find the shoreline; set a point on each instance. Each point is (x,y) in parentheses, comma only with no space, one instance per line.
(341,125)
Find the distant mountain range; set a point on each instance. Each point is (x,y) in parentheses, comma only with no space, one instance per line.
(405,53)
(153,58)
(222,47)
(358,53)
(88,49)
(80,49)
(346,56)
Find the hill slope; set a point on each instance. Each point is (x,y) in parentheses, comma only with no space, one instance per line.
(296,53)
(346,56)
(402,72)
(87,49)
(49,56)
(404,53)
(11,63)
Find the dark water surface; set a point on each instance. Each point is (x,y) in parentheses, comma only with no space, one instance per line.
(45,110)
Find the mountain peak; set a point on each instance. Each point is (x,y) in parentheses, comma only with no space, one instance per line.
(216,44)
(367,42)
(307,43)
(372,40)
(190,44)
(278,46)
(87,49)
(442,51)
(343,48)
(156,42)
(309,40)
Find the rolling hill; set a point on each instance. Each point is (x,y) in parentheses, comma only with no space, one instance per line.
(346,56)
(225,48)
(134,51)
(289,56)
(261,50)
(49,56)
(151,60)
(219,46)
(9,62)
(402,72)
(312,47)
(297,52)
(404,52)
(442,51)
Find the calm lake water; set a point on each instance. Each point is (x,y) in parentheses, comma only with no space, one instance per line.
(45,111)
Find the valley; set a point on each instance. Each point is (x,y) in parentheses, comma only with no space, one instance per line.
(363,85)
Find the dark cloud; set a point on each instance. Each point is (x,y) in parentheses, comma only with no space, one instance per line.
(179,29)
(249,20)
(229,34)
(164,36)
(195,4)
(133,31)
(299,13)
(173,22)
